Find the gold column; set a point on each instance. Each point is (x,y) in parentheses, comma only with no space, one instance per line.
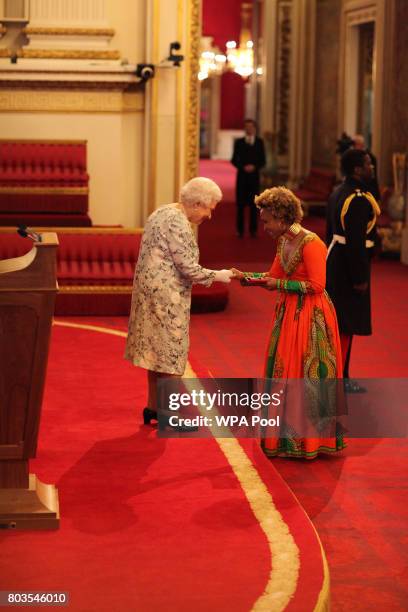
(301,88)
(192,121)
(172,101)
(268,61)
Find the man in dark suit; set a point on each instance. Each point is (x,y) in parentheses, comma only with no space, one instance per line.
(248,158)
(351,217)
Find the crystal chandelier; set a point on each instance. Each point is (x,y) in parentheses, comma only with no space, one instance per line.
(211,61)
(241,59)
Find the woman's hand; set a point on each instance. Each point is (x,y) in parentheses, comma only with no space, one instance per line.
(237,274)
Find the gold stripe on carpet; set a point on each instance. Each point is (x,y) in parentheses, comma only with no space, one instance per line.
(323,600)
(103,330)
(284,553)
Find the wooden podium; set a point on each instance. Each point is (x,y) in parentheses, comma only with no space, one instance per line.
(28,288)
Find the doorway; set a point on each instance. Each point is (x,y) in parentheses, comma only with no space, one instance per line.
(359,84)
(365,78)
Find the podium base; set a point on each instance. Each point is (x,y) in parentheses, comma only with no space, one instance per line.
(33,508)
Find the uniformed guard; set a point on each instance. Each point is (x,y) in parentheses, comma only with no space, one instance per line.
(351,235)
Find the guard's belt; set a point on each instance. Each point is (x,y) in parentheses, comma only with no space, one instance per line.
(337,239)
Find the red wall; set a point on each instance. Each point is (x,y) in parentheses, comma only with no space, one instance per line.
(222,21)
(232,101)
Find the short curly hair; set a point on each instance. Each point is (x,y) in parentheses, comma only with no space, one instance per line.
(282,203)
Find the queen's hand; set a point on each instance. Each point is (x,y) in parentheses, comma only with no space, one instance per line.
(223,276)
(237,274)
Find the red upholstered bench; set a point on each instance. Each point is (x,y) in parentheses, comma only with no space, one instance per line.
(316,188)
(43,183)
(95,268)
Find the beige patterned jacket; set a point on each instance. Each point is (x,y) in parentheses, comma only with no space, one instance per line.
(158,334)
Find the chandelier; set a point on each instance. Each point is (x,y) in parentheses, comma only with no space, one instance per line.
(239,59)
(211,60)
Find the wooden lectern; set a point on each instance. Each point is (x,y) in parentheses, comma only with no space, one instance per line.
(28,288)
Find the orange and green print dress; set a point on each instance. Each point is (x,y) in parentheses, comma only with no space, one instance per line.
(304,341)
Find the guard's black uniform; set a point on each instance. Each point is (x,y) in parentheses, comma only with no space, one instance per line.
(349,264)
(247,186)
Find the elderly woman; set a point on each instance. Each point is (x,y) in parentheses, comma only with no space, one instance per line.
(305,341)
(158,335)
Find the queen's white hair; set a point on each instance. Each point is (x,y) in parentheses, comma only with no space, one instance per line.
(200,190)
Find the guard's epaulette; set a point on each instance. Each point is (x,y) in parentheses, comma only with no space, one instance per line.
(372,201)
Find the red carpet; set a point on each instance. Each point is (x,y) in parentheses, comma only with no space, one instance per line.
(223,173)
(354,500)
(125,495)
(147,523)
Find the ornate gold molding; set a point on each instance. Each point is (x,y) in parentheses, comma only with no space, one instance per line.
(178,164)
(42,141)
(351,5)
(69,54)
(285,51)
(70,101)
(193,117)
(70,31)
(46,190)
(154,99)
(357,17)
(122,289)
(79,230)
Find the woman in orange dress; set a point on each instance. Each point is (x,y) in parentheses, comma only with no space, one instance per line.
(304,342)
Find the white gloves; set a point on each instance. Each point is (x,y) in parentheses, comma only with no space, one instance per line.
(223,276)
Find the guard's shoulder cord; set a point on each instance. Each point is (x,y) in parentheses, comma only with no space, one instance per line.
(371,199)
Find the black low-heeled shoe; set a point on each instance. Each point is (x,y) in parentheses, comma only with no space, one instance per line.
(148,415)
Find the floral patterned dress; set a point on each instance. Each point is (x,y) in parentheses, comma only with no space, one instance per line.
(158,333)
(304,341)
